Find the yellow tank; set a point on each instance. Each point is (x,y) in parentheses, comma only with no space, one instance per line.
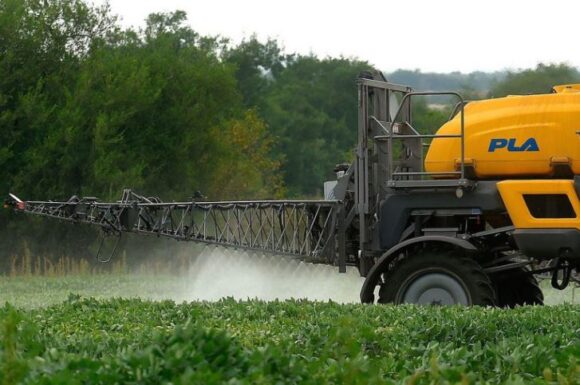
(529,135)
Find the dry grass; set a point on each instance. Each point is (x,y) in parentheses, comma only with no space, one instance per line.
(28,265)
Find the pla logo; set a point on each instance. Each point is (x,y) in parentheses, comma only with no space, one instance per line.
(510,144)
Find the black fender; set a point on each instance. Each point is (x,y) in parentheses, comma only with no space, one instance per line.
(372,278)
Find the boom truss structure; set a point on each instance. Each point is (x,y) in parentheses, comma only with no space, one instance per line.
(308,230)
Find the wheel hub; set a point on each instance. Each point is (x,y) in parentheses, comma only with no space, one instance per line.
(434,289)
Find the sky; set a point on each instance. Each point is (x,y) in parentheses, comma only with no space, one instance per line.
(432,36)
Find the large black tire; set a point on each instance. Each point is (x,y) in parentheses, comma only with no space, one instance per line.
(445,278)
(517,288)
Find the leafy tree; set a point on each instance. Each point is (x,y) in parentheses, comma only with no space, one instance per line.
(533,81)
(250,172)
(428,119)
(42,44)
(143,111)
(258,65)
(312,110)
(430,81)
(157,110)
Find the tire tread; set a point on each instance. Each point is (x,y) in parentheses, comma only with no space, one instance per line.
(482,293)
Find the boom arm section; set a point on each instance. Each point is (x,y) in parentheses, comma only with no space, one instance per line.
(309,230)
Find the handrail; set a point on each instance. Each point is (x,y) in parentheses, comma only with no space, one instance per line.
(421,136)
(456,108)
(390,133)
(424,93)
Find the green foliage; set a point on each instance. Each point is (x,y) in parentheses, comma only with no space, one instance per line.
(312,110)
(534,81)
(140,110)
(249,172)
(295,342)
(427,119)
(89,109)
(258,65)
(41,45)
(310,105)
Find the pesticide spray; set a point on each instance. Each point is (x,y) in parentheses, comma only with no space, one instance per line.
(218,272)
(209,273)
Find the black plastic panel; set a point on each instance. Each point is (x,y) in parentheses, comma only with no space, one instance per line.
(549,243)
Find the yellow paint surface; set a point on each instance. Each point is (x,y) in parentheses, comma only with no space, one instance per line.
(551,120)
(512,192)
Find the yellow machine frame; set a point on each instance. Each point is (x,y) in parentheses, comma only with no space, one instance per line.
(512,193)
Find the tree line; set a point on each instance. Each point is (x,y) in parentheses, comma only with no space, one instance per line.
(90,108)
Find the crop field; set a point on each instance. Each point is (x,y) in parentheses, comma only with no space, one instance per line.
(89,341)
(154,327)
(77,330)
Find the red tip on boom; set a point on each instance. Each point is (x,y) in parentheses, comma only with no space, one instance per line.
(14,202)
